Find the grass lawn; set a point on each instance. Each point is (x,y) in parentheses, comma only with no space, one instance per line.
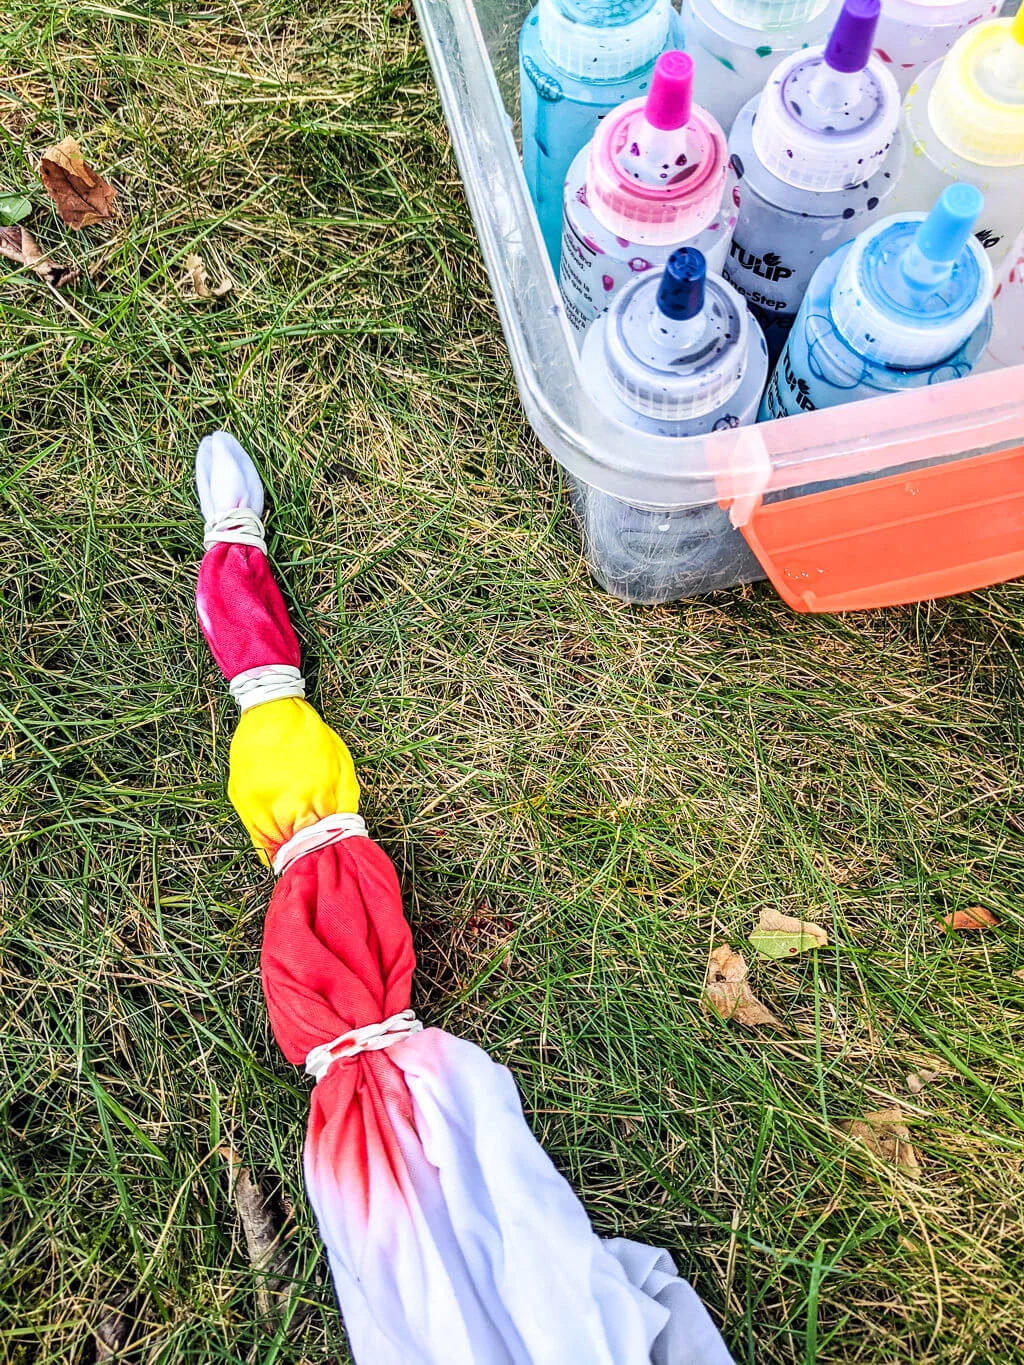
(582,798)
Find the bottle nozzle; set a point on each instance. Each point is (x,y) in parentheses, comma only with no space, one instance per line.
(941,238)
(681,292)
(1006,71)
(670,98)
(850,42)
(658,152)
(677,319)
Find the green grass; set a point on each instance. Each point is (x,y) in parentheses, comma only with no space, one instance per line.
(581,798)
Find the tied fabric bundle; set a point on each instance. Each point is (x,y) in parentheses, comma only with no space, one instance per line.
(451,1237)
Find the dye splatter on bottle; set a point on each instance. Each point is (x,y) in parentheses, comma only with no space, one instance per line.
(964,121)
(914,33)
(654,177)
(737,44)
(579,60)
(818,156)
(678,355)
(905,306)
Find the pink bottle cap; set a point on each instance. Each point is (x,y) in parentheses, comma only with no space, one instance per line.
(671,94)
(659,215)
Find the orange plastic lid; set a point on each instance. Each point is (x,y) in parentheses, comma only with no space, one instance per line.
(933,532)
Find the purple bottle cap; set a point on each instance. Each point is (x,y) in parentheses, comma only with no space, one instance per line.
(670,98)
(849,43)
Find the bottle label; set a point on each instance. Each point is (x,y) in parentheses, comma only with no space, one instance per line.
(787,393)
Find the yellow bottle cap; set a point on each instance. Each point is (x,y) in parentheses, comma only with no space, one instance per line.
(977,102)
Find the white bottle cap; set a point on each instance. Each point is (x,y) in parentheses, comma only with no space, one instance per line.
(769,16)
(662,129)
(828,115)
(683,364)
(913,288)
(977,102)
(610,46)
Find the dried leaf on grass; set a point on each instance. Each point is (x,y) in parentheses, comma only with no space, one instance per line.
(727,991)
(884,1133)
(200,283)
(13,208)
(261,1225)
(917,1080)
(17,244)
(781,936)
(976,917)
(81,195)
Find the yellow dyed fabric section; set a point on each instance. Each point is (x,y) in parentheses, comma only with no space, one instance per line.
(288,770)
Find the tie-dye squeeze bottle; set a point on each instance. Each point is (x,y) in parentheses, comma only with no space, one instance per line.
(654,178)
(914,33)
(817,155)
(677,355)
(964,121)
(737,44)
(579,60)
(904,306)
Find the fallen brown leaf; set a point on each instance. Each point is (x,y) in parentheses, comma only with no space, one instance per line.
(977,917)
(17,244)
(728,993)
(917,1080)
(885,1134)
(262,1229)
(201,285)
(82,197)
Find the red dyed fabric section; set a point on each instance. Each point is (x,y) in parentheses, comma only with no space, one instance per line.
(242,612)
(337,954)
(337,951)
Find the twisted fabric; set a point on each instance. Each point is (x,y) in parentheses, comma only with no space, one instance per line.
(451,1237)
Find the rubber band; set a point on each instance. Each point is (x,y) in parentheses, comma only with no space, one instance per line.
(268,682)
(240,526)
(331,830)
(369,1038)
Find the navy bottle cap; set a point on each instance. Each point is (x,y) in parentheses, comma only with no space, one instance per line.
(681,292)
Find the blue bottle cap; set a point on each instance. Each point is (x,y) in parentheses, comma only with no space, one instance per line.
(681,292)
(944,233)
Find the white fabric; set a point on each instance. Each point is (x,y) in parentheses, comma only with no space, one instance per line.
(330,830)
(369,1038)
(481,1254)
(266,682)
(226,478)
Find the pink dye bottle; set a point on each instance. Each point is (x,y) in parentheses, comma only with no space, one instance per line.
(655,177)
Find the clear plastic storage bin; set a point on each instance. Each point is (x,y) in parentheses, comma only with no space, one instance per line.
(896,499)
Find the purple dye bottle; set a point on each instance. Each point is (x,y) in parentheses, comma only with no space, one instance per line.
(817,155)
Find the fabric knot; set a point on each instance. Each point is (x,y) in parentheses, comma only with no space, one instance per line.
(369,1038)
(330,830)
(240,526)
(268,682)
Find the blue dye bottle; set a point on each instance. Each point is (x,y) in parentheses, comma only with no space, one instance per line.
(578,60)
(904,306)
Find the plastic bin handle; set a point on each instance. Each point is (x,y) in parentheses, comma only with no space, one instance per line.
(907,537)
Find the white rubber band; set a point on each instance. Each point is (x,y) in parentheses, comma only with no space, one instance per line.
(268,682)
(240,526)
(369,1038)
(331,830)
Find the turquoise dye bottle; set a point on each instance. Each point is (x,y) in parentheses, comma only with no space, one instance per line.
(578,60)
